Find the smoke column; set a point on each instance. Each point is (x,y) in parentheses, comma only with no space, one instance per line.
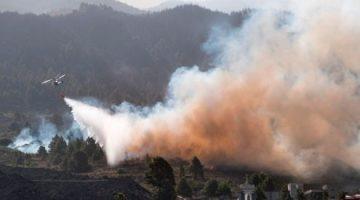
(283,97)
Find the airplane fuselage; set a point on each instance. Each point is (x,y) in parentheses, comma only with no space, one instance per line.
(56,83)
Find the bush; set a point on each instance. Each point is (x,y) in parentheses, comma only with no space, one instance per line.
(196,185)
(121,171)
(20,159)
(120,196)
(184,189)
(260,194)
(211,188)
(224,189)
(259,179)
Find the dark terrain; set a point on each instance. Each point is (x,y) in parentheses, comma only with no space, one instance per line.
(50,184)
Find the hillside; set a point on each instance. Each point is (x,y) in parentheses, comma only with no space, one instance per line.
(106,54)
(56,7)
(15,186)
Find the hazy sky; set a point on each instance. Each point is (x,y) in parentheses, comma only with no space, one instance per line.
(221,5)
(145,3)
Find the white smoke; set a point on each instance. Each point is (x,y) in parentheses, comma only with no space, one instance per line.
(284,94)
(29,140)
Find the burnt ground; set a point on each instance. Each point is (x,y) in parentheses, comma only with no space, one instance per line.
(128,178)
(28,184)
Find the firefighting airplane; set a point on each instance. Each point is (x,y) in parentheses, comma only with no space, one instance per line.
(55,81)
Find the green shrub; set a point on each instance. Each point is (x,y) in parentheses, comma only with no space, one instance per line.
(184,189)
(211,188)
(119,196)
(224,189)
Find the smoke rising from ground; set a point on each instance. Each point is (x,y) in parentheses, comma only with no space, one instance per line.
(30,139)
(284,97)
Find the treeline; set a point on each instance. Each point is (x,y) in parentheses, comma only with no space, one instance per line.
(106,54)
(76,156)
(192,182)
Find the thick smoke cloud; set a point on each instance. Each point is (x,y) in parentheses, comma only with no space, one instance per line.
(283,97)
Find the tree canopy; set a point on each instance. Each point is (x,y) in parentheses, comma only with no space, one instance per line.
(161,176)
(197,169)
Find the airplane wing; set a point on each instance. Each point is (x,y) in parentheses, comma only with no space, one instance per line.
(47,81)
(60,77)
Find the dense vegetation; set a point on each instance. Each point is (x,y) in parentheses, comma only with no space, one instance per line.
(107,54)
(165,179)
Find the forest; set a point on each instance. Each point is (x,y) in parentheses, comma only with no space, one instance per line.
(106,54)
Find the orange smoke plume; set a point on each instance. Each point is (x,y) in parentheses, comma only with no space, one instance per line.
(284,97)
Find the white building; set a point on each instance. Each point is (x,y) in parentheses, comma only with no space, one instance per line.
(293,189)
(247,191)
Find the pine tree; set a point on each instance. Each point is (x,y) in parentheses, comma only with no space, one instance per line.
(79,162)
(90,147)
(99,154)
(181,171)
(197,168)
(57,149)
(65,164)
(42,152)
(161,176)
